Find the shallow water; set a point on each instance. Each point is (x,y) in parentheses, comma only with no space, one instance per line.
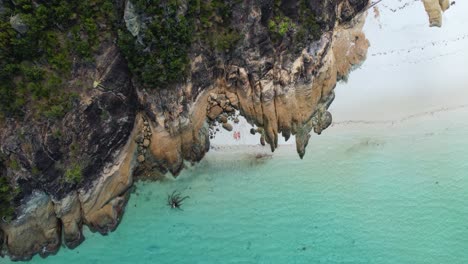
(375,194)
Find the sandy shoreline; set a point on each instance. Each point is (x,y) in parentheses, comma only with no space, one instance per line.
(441,117)
(410,69)
(412,72)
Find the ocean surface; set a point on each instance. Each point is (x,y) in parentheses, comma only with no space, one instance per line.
(364,193)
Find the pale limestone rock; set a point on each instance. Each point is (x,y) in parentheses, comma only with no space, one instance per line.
(434,9)
(132,20)
(69,211)
(17,24)
(103,203)
(36,230)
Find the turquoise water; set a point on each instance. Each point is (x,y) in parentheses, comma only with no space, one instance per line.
(365,194)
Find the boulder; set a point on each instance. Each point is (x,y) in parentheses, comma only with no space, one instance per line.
(18,24)
(141,158)
(221,97)
(227,126)
(229,109)
(36,231)
(139,139)
(132,20)
(146,143)
(232,98)
(213,96)
(223,119)
(214,112)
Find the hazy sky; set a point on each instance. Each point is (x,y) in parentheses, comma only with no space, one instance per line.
(410,67)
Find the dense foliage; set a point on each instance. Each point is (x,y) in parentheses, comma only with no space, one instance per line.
(7,193)
(159,56)
(35,63)
(303,30)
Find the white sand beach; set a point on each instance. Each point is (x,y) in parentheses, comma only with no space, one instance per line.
(412,71)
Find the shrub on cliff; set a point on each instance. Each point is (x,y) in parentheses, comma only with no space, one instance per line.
(53,33)
(159,55)
(74,174)
(303,29)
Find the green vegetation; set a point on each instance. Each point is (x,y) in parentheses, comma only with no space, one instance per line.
(214,26)
(34,64)
(60,34)
(303,31)
(160,56)
(168,38)
(7,193)
(309,29)
(280,25)
(74,174)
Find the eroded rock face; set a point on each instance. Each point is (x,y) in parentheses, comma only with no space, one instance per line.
(117,128)
(68,210)
(37,230)
(434,9)
(292,98)
(95,137)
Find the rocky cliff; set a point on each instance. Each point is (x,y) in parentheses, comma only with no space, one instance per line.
(76,169)
(434,9)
